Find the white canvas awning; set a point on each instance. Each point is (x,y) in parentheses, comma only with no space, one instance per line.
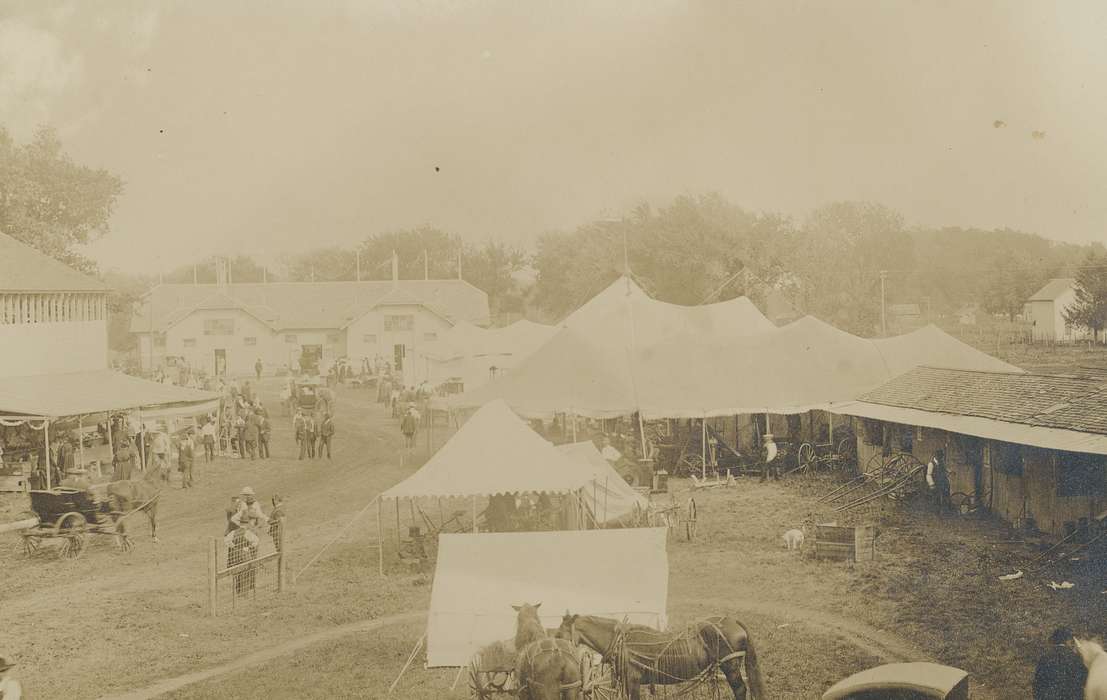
(83,393)
(609,497)
(494,452)
(611,573)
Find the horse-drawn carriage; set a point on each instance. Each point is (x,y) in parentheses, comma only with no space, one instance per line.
(493,674)
(72,514)
(903,681)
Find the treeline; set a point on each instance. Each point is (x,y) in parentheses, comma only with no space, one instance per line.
(828,264)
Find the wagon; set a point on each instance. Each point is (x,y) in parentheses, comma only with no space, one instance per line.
(837,453)
(71,514)
(492,675)
(904,681)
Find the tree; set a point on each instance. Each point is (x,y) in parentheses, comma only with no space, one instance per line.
(844,247)
(242,268)
(1089,308)
(491,267)
(51,203)
(1009,283)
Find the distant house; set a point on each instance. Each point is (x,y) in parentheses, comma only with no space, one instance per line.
(224,328)
(1028,446)
(905,312)
(1047,312)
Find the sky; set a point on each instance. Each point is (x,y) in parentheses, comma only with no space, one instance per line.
(270,127)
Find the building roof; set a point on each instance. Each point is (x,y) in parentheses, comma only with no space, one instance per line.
(1054,289)
(1047,401)
(905,309)
(24,269)
(308,305)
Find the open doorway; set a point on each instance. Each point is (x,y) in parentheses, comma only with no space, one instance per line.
(220,362)
(310,355)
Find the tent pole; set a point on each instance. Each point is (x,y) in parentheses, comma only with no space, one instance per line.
(46,441)
(830,419)
(142,441)
(399,546)
(642,435)
(474,515)
(703,446)
(606,483)
(111,443)
(380,538)
(81,439)
(574,415)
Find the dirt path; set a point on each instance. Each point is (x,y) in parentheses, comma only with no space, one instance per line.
(259,657)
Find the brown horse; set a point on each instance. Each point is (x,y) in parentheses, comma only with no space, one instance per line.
(131,494)
(641,655)
(546,669)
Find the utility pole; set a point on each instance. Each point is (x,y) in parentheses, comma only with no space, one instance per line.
(883,316)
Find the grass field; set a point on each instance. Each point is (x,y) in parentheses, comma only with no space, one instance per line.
(109,622)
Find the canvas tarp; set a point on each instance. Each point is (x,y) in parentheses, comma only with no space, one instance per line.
(494,452)
(805,365)
(82,393)
(611,573)
(610,497)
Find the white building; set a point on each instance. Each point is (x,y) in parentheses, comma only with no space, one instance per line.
(53,319)
(227,327)
(1047,312)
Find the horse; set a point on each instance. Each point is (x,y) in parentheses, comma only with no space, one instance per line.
(546,668)
(641,655)
(131,494)
(1096,660)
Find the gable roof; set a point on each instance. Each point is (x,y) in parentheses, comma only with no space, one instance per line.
(24,269)
(1054,289)
(1047,401)
(305,305)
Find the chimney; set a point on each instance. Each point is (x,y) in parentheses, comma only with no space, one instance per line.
(395,270)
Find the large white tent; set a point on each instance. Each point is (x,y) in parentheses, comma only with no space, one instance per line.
(479,577)
(474,354)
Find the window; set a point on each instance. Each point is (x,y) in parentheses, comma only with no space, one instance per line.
(872,432)
(405,322)
(218,326)
(1080,474)
(430,337)
(189,342)
(250,340)
(290,338)
(369,338)
(1007,458)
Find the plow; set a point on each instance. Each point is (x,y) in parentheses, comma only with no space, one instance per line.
(895,475)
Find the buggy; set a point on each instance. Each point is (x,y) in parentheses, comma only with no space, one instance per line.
(71,514)
(904,681)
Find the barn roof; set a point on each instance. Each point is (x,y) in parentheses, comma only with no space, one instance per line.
(306,305)
(1053,289)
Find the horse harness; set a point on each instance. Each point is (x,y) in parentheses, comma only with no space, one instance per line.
(549,645)
(623,657)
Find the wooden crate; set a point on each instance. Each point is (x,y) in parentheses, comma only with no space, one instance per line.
(845,543)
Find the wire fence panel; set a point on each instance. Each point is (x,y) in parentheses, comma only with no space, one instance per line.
(245,566)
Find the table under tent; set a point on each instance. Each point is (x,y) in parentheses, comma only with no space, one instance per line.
(496,474)
(620,574)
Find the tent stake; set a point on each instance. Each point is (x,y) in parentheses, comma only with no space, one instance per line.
(457,677)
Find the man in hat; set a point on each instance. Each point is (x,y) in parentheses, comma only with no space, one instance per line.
(249,515)
(1061,673)
(186,452)
(123,460)
(258,368)
(264,429)
(409,424)
(326,432)
(937,480)
(10,688)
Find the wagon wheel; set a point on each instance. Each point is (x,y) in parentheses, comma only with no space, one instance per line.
(30,544)
(124,543)
(71,526)
(598,683)
(963,503)
(847,451)
(689,464)
(806,460)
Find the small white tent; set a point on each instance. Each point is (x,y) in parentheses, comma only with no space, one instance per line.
(610,497)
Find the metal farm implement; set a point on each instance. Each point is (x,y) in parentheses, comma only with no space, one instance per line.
(71,515)
(896,476)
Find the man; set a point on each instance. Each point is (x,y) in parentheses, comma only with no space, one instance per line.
(10,689)
(249,515)
(160,446)
(937,480)
(409,424)
(310,433)
(251,432)
(186,451)
(326,432)
(264,428)
(208,435)
(240,435)
(276,521)
(258,368)
(299,429)
(248,393)
(1061,673)
(123,460)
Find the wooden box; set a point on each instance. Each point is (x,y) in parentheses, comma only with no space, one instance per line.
(845,543)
